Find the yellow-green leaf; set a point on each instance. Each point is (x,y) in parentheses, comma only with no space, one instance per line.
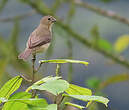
(12,104)
(46,79)
(43,80)
(63,61)
(51,107)
(75,105)
(89,98)
(55,86)
(10,87)
(122,43)
(77,90)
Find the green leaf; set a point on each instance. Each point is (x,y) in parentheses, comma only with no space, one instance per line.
(63,61)
(49,107)
(99,41)
(104,44)
(23,101)
(35,104)
(13,105)
(77,90)
(10,87)
(55,86)
(121,43)
(89,98)
(46,79)
(75,105)
(52,107)
(93,82)
(28,104)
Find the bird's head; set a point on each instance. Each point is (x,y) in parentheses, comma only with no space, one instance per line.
(47,20)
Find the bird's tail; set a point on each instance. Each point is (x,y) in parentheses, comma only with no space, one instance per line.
(24,55)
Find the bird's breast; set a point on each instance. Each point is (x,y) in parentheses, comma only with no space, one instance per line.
(41,48)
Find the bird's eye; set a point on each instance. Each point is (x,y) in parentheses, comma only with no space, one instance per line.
(49,19)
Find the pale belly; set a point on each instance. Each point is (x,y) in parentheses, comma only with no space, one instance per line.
(41,48)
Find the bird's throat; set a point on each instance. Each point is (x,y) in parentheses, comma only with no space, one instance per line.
(50,27)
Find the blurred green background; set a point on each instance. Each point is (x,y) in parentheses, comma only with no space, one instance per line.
(107,73)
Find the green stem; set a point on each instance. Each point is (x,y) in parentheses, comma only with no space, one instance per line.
(57,69)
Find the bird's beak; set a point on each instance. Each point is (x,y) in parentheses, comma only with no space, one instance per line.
(53,20)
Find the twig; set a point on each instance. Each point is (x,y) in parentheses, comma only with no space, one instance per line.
(33,66)
(33,73)
(58,100)
(83,40)
(19,17)
(109,14)
(25,78)
(38,67)
(57,69)
(55,102)
(62,98)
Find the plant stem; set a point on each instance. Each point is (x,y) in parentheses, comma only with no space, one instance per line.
(38,68)
(33,73)
(58,100)
(33,67)
(25,78)
(57,69)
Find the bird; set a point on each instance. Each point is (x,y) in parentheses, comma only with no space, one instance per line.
(40,39)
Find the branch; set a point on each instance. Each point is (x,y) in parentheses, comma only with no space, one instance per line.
(25,78)
(33,73)
(109,14)
(70,55)
(19,17)
(89,44)
(33,66)
(82,39)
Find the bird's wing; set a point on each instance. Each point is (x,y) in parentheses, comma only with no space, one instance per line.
(36,41)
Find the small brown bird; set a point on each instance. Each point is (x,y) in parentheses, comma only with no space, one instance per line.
(40,38)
